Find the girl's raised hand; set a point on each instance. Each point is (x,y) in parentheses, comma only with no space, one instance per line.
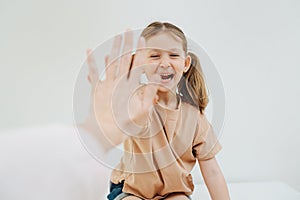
(120,106)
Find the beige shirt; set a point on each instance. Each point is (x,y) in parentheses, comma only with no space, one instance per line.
(160,162)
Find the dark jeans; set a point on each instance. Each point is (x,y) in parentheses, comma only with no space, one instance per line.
(115,190)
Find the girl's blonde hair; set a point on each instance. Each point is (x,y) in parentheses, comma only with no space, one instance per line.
(191,87)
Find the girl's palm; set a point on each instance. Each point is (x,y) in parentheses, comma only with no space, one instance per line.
(120,104)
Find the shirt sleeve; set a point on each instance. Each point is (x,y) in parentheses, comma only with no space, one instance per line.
(205,144)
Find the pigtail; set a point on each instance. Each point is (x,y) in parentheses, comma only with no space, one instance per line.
(191,87)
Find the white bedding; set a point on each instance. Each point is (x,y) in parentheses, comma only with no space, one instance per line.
(253,191)
(49,162)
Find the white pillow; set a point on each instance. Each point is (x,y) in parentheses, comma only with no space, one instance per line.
(49,162)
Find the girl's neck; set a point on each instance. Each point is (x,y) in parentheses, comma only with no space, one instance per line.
(168,99)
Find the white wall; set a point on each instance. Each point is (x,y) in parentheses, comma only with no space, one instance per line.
(254,44)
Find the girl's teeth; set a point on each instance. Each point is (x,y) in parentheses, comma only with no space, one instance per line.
(166,76)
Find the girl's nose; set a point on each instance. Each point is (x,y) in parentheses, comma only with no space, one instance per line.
(164,62)
(163,65)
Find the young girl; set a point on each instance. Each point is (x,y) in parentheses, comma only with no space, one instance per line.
(166,130)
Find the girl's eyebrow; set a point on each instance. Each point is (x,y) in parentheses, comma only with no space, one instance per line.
(170,50)
(175,49)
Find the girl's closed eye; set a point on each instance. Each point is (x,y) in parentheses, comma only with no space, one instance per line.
(174,55)
(154,56)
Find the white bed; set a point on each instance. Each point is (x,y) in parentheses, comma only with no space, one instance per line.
(49,162)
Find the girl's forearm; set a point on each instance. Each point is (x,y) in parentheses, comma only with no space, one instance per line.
(214,179)
(217,187)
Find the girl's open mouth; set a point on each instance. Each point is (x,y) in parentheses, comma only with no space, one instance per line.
(166,77)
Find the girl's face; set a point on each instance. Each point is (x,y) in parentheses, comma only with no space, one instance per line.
(167,60)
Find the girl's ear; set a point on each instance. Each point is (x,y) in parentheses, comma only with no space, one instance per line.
(187,63)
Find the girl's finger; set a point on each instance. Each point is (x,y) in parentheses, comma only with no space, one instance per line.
(106,60)
(140,54)
(126,52)
(149,95)
(92,67)
(113,58)
(137,62)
